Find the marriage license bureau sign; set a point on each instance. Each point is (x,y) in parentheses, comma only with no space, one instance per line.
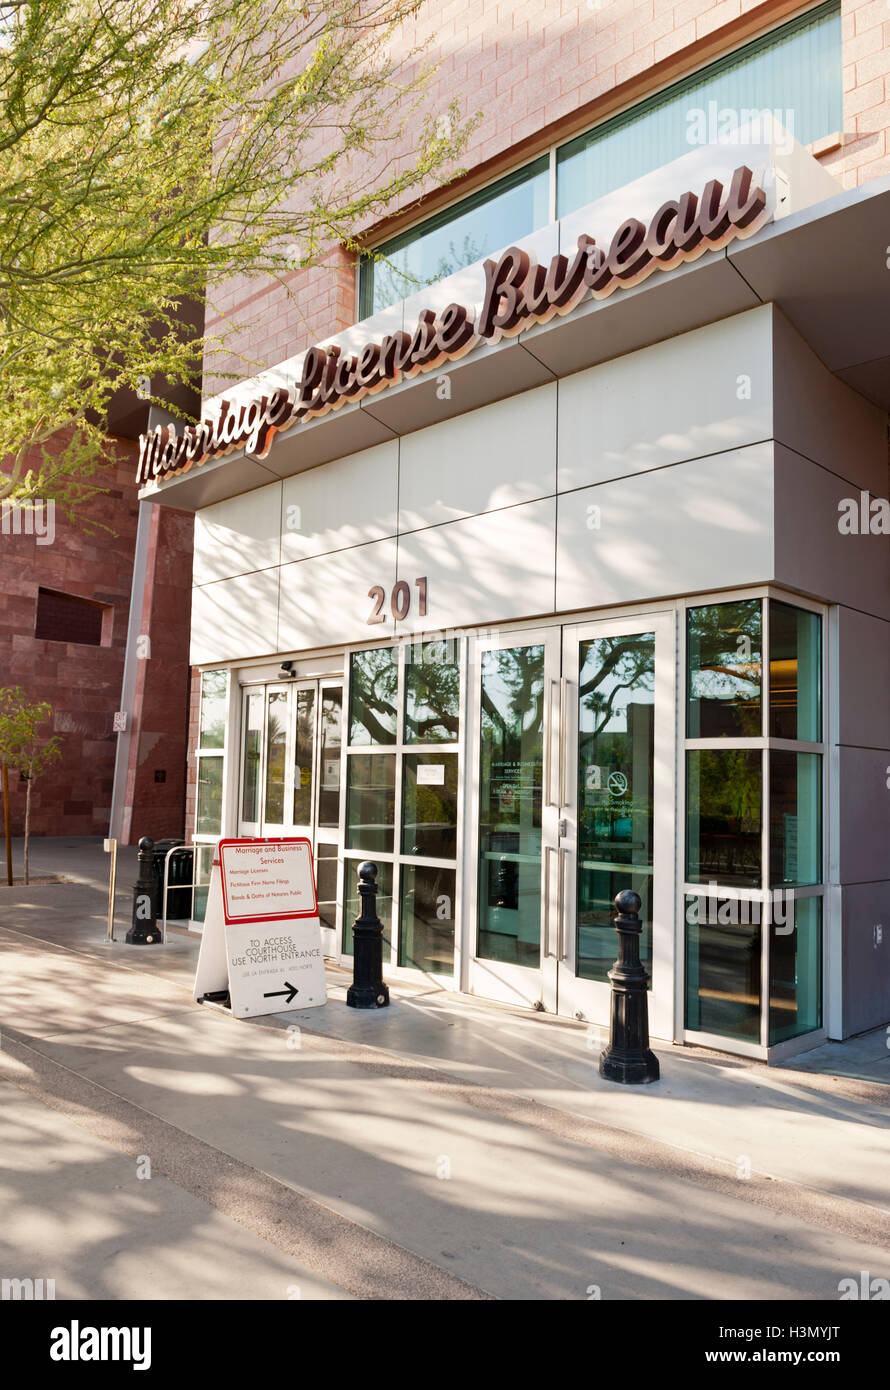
(262,935)
(518,292)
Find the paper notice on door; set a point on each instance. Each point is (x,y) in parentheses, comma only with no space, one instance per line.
(431,775)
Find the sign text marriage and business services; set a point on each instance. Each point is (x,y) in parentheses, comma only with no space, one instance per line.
(518,292)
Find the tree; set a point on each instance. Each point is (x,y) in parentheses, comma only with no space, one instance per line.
(23,747)
(149,152)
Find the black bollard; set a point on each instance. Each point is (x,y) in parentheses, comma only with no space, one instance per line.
(367,990)
(627,1058)
(145,930)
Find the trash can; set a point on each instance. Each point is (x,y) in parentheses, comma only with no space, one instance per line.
(179,898)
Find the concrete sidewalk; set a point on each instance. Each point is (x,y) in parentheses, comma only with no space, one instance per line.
(458,1147)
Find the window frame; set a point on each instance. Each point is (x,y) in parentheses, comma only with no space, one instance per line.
(622,114)
(396,859)
(766,743)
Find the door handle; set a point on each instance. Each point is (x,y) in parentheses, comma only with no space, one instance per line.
(564,792)
(560,876)
(559,953)
(548,746)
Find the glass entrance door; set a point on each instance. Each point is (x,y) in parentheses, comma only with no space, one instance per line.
(290,776)
(617,811)
(516,857)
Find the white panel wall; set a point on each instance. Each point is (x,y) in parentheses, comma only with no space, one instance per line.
(698,394)
(350,501)
(324,600)
(239,535)
(673,444)
(697,526)
(494,457)
(488,568)
(235,618)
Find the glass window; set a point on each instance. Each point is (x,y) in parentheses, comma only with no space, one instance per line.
(723,817)
(214,688)
(795,973)
(329,771)
(383,904)
(370,802)
(795,818)
(795,72)
(429,813)
(484,222)
(426,919)
(208,820)
(615,801)
(723,946)
(253,751)
(373,695)
(510,805)
(326,884)
(432,693)
(723,659)
(203,864)
(795,673)
(276,745)
(304,744)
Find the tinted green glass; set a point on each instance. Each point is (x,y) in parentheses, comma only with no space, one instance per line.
(304,747)
(329,757)
(432,692)
(208,819)
(616,713)
(795,971)
(510,774)
(214,689)
(795,818)
(723,967)
(426,919)
(723,817)
(795,673)
(253,750)
(203,864)
(429,795)
(795,71)
(723,662)
(373,692)
(370,801)
(473,228)
(276,745)
(326,884)
(382,903)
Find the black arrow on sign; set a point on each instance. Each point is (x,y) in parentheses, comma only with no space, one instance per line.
(290,990)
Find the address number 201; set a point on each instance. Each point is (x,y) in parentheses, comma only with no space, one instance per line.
(399,600)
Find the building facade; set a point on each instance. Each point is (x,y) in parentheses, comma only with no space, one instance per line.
(556,560)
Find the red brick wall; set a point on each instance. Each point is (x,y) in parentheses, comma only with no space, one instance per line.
(545,69)
(82,683)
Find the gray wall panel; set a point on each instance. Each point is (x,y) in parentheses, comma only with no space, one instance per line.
(866,981)
(811,553)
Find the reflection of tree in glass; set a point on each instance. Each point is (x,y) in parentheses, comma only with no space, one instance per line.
(729,789)
(611,665)
(519,672)
(394,281)
(373,695)
(433,694)
(724,641)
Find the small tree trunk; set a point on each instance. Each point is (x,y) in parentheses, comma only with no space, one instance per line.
(27,822)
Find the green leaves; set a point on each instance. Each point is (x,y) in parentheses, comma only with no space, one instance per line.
(151,151)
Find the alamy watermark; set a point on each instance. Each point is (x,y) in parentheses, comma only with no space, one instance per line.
(730,125)
(715,909)
(37,519)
